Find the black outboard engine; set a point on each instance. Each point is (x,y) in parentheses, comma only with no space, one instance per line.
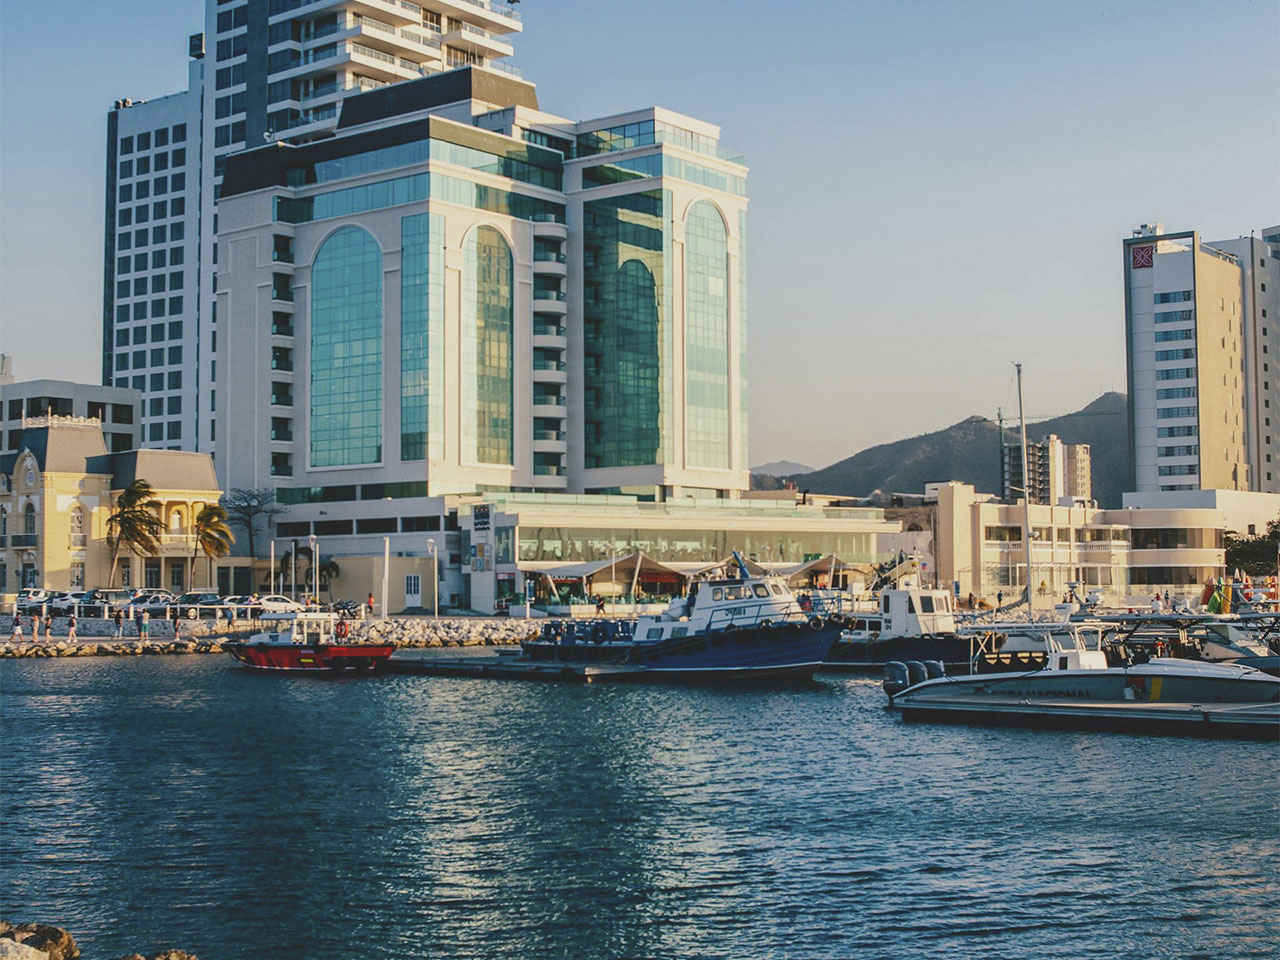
(895,678)
(934,669)
(916,672)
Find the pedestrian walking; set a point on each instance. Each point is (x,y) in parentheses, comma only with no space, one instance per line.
(16,632)
(137,621)
(144,621)
(971,600)
(35,626)
(999,599)
(119,618)
(48,627)
(173,615)
(369,604)
(71,627)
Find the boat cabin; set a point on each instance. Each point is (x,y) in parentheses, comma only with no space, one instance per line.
(716,604)
(910,612)
(303,628)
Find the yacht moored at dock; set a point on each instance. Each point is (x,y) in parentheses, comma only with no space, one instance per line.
(749,628)
(314,642)
(909,622)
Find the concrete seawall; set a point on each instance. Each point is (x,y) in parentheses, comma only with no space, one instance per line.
(96,638)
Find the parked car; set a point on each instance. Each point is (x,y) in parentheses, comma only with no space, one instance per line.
(103,603)
(31,599)
(156,604)
(193,605)
(64,604)
(274,603)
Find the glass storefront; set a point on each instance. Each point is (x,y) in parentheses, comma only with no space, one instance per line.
(575,544)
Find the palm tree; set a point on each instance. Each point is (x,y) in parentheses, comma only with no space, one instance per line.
(134,524)
(329,571)
(212,535)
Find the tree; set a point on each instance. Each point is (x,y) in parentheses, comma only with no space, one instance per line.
(212,535)
(329,571)
(134,524)
(1256,555)
(247,508)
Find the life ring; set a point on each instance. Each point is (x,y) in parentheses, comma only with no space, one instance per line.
(816,624)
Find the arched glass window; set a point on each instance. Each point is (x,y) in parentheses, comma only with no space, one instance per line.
(77,520)
(175,521)
(706,338)
(346,350)
(487,309)
(29,520)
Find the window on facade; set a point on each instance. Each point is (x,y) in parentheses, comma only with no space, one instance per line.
(487,301)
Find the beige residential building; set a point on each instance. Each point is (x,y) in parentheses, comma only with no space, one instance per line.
(57,491)
(1055,469)
(1170,541)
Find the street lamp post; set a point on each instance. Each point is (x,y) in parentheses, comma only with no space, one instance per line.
(315,567)
(435,579)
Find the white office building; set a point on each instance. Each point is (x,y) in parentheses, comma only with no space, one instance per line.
(1200,325)
(151,260)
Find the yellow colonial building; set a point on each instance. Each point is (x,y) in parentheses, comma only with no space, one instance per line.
(57,491)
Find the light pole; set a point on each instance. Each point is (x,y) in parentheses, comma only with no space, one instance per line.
(435,579)
(315,567)
(293,575)
(386,565)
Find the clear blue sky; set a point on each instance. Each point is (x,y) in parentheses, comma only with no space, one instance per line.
(937,189)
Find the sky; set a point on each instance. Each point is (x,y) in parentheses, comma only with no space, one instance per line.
(937,189)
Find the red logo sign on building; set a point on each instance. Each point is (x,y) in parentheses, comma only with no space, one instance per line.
(1143,256)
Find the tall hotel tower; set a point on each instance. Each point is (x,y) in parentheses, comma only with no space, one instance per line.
(1201,324)
(270,70)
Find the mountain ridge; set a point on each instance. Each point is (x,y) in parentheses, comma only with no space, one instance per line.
(969,451)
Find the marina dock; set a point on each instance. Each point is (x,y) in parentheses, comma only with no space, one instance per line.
(507,668)
(1254,721)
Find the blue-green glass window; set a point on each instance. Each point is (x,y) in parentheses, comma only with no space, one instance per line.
(487,319)
(422,337)
(346,350)
(626,329)
(706,341)
(663,164)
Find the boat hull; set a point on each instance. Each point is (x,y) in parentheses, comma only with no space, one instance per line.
(323,658)
(872,655)
(766,653)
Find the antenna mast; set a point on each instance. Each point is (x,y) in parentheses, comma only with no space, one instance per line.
(1026,496)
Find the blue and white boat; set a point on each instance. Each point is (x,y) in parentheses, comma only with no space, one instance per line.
(748,628)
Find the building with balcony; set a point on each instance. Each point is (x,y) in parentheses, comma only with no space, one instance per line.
(1056,470)
(117,409)
(57,491)
(1200,325)
(1157,541)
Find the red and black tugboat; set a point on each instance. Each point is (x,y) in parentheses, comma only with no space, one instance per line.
(307,641)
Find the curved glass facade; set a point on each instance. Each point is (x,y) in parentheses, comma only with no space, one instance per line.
(346,350)
(706,341)
(625,329)
(487,318)
(422,337)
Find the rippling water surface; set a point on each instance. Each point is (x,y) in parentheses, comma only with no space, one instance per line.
(183,801)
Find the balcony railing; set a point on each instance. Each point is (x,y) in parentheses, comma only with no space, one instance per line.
(280,363)
(281,434)
(548,330)
(549,295)
(548,364)
(282,399)
(281,329)
(24,539)
(543,401)
(548,256)
(545,470)
(76,540)
(549,435)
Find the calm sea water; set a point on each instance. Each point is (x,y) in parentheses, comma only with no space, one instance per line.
(184,801)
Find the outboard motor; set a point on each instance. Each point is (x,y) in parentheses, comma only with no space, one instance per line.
(895,678)
(934,669)
(916,672)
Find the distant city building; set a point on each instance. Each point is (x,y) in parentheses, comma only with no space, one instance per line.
(57,490)
(151,260)
(1200,326)
(118,409)
(1056,470)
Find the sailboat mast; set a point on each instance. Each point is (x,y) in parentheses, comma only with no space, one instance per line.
(1026,497)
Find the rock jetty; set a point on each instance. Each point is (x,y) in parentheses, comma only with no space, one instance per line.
(398,631)
(40,941)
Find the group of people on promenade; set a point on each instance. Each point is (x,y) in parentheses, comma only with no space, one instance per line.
(37,623)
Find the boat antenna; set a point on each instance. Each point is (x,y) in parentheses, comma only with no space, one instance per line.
(1026,498)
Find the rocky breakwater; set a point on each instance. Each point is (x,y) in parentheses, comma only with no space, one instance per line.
(40,941)
(106,648)
(450,632)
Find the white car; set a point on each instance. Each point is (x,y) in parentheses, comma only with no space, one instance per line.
(274,603)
